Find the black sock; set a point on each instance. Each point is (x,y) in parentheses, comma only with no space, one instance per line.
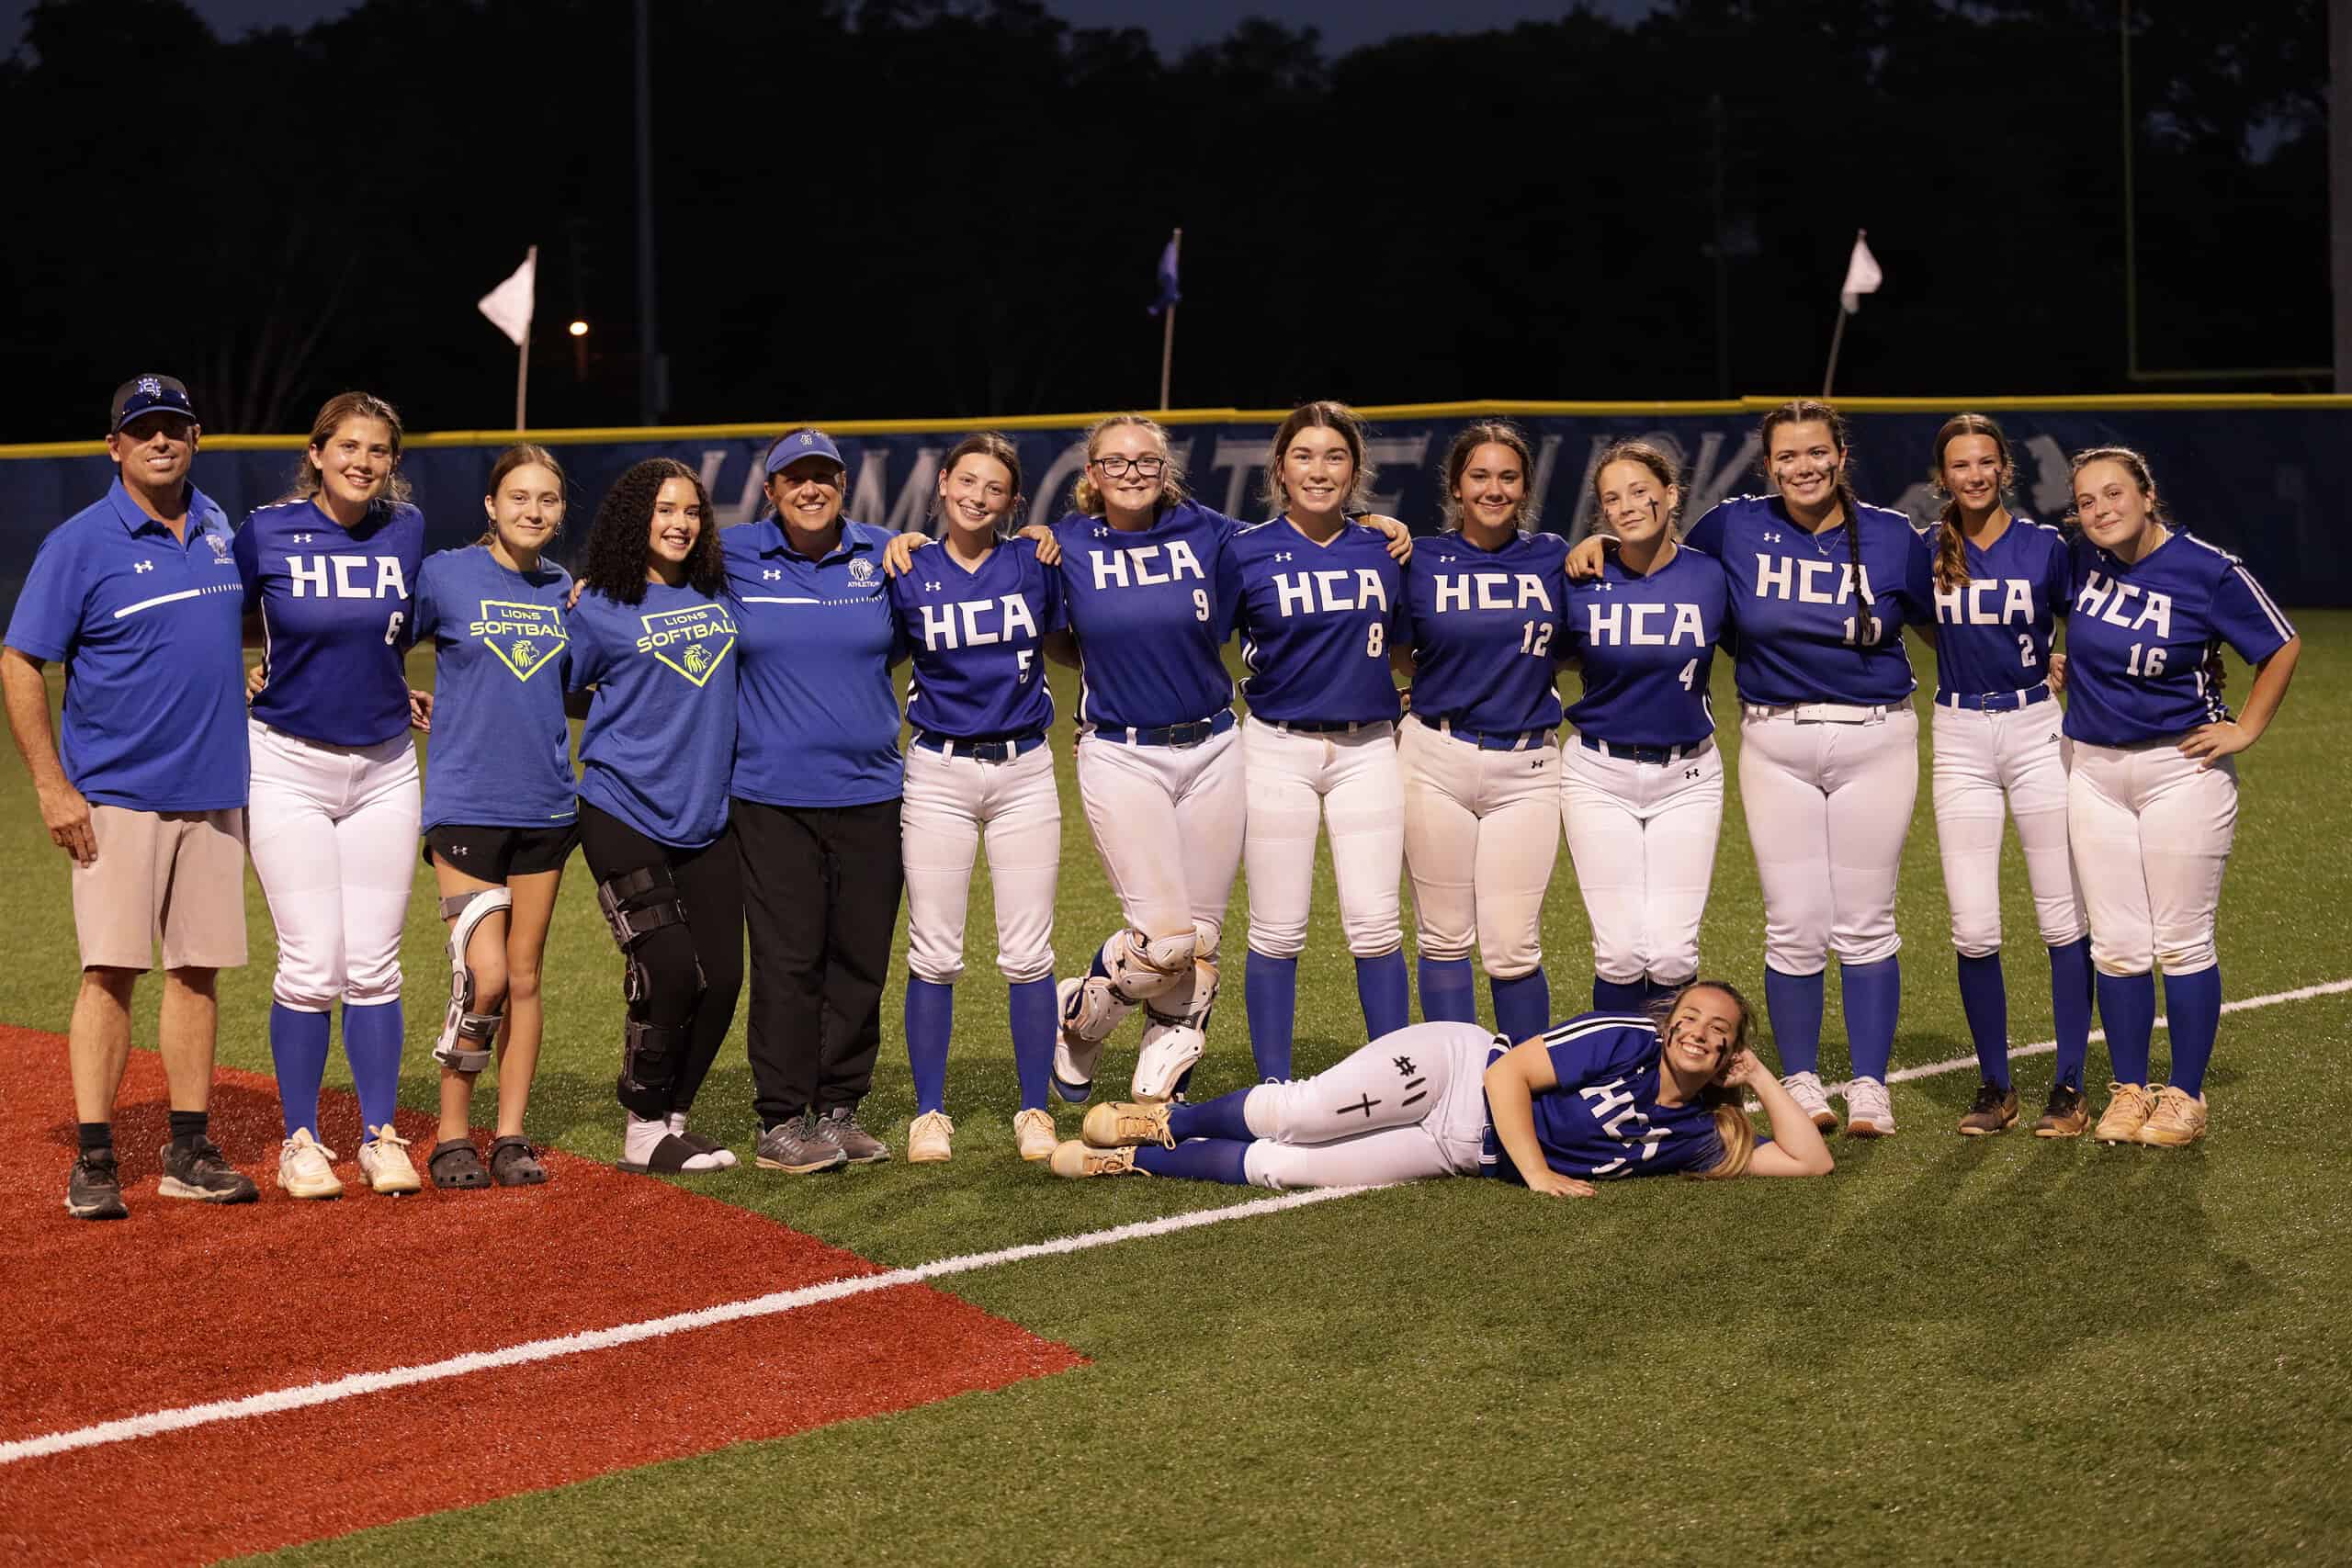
(188,1126)
(98,1138)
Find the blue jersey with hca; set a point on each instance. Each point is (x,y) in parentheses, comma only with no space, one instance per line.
(1993,631)
(1647,644)
(149,626)
(661,733)
(820,719)
(1603,1121)
(334,607)
(500,752)
(1484,623)
(1805,635)
(2144,643)
(979,672)
(1145,606)
(1318,623)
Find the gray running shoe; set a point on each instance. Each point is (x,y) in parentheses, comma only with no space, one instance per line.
(839,1127)
(796,1146)
(197,1170)
(94,1191)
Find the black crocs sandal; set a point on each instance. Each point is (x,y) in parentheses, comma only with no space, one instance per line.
(668,1159)
(455,1167)
(514,1162)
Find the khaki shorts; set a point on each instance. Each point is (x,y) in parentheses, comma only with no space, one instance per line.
(174,876)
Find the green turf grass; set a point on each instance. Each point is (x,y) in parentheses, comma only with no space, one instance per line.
(2001,1349)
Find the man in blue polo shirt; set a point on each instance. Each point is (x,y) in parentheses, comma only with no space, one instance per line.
(140,597)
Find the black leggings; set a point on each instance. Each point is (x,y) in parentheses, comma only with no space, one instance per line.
(693,972)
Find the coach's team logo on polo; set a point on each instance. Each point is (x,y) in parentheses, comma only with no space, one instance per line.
(860,571)
(693,641)
(525,636)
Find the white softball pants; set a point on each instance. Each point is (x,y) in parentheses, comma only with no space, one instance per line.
(1988,765)
(1411,1104)
(333,832)
(1296,781)
(948,801)
(1166,821)
(1480,845)
(1828,805)
(2151,833)
(1642,836)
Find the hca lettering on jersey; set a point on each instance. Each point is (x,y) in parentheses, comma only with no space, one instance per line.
(1141,566)
(1306,593)
(1613,1110)
(1634,626)
(966,625)
(1492,591)
(338,577)
(1968,605)
(1802,580)
(2110,600)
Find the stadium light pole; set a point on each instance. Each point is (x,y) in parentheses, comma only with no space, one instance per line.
(649,368)
(2339,181)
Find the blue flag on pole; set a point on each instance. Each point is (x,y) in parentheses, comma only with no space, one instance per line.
(1168,295)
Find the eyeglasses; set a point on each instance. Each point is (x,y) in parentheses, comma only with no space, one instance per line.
(1144,468)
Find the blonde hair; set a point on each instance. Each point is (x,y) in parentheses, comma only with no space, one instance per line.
(1725,1101)
(1489,433)
(308,479)
(1086,497)
(1322,415)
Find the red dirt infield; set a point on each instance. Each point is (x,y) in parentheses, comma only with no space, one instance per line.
(184,1304)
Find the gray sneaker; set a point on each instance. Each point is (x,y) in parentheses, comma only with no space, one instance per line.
(839,1127)
(197,1170)
(796,1146)
(94,1191)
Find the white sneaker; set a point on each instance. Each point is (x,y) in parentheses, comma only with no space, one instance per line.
(383,1162)
(1870,1111)
(928,1135)
(1073,1059)
(1169,1050)
(1033,1130)
(1812,1099)
(306,1169)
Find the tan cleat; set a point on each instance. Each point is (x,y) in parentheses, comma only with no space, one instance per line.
(2066,1113)
(1034,1134)
(1122,1122)
(306,1167)
(2178,1119)
(1075,1159)
(384,1161)
(1995,1110)
(928,1138)
(2127,1110)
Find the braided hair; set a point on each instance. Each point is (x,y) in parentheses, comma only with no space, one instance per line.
(1951,553)
(1812,410)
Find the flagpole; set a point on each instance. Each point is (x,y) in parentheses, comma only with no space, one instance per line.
(1168,327)
(523,356)
(1837,336)
(1847,305)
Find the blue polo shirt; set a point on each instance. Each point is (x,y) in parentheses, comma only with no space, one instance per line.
(151,631)
(818,724)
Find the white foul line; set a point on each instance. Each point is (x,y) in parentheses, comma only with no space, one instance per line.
(153,1424)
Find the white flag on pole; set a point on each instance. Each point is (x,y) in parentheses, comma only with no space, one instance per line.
(1863,277)
(508,306)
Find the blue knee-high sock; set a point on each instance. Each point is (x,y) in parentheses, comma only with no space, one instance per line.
(2070,1006)
(1034,1022)
(1202,1159)
(1449,993)
(1220,1118)
(1985,999)
(1619,996)
(298,1044)
(931,1018)
(1386,995)
(2193,1014)
(372,1035)
(1269,993)
(1792,1005)
(1873,997)
(2128,1002)
(1523,1006)
(1654,991)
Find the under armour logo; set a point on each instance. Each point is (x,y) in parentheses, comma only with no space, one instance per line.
(772,576)
(1537,765)
(1404,1066)
(1281,554)
(1689,773)
(458,850)
(304,538)
(1447,560)
(1771,538)
(144,566)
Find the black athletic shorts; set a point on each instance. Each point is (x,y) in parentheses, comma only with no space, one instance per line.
(495,854)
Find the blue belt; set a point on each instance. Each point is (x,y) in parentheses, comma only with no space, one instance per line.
(982,751)
(1994,702)
(1659,754)
(1322,726)
(1491,739)
(1191,734)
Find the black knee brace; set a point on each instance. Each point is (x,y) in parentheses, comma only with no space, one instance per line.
(637,904)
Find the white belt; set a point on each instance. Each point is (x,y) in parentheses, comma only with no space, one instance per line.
(1818,713)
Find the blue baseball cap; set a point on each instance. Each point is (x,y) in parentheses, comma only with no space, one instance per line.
(804,443)
(150,394)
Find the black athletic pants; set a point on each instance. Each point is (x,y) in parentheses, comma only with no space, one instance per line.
(820,898)
(711,884)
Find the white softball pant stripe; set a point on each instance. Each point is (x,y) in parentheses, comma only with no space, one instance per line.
(948,802)
(332,830)
(1167,822)
(2152,834)
(1480,844)
(1829,807)
(1987,765)
(1642,836)
(1295,783)
(1411,1104)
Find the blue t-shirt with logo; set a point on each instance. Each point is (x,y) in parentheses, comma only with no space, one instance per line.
(660,730)
(335,605)
(501,751)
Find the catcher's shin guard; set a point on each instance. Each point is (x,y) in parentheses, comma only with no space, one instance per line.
(467,1036)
